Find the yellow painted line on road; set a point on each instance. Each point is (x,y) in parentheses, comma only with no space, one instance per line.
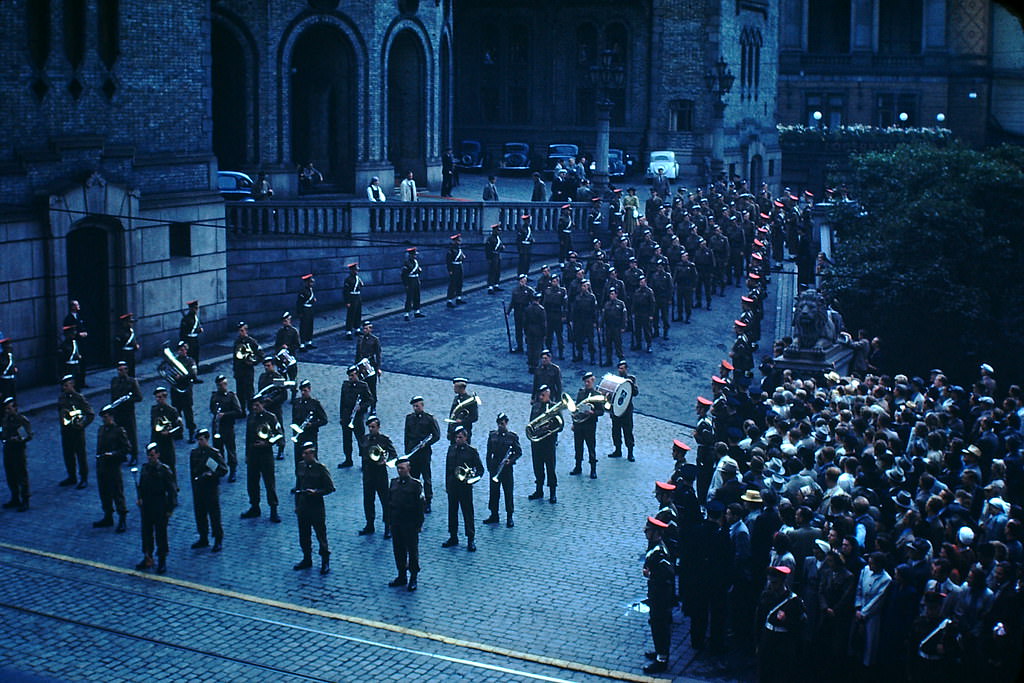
(566,664)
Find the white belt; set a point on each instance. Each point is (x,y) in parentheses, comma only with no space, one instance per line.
(11,377)
(778,629)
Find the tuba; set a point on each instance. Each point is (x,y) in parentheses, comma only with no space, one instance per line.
(465,474)
(171,369)
(460,409)
(585,408)
(549,422)
(274,394)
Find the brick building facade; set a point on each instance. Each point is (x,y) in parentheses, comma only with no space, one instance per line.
(525,76)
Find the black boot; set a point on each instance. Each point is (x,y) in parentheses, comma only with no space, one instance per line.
(412,582)
(593,470)
(346,463)
(305,563)
(552,498)
(273,515)
(252,512)
(145,564)
(121,526)
(201,543)
(536,495)
(108,520)
(231,475)
(493,519)
(617,453)
(398,581)
(161,566)
(577,470)
(325,565)
(630,456)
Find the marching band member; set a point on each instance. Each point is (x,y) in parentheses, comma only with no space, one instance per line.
(503,450)
(461,463)
(312,483)
(75,415)
(377,450)
(421,432)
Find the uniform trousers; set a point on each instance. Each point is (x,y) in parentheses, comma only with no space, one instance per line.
(660,619)
(460,496)
(305,325)
(684,302)
(585,433)
(182,400)
(165,446)
(612,345)
(206,503)
(111,485)
(554,332)
(16,470)
(375,485)
(347,434)
(244,387)
(154,531)
(419,467)
(353,312)
(72,443)
(543,454)
(622,430)
(493,271)
(405,541)
(259,462)
(312,519)
(412,295)
(505,482)
(455,276)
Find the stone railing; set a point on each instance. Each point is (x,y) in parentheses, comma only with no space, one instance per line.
(339,217)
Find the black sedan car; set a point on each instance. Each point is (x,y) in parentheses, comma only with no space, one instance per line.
(515,157)
(469,155)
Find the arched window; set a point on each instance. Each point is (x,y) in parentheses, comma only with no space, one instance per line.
(750,63)
(586,44)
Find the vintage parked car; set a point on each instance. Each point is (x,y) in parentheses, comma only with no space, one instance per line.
(515,156)
(618,163)
(235,186)
(469,155)
(559,153)
(665,159)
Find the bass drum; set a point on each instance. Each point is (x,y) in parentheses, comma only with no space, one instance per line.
(619,392)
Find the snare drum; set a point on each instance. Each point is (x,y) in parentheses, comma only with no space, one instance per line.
(364,369)
(619,392)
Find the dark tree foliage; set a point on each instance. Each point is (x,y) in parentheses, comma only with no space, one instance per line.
(933,260)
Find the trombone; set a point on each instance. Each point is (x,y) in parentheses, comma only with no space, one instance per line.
(420,445)
(298,429)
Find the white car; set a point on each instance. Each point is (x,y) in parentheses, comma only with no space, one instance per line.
(665,160)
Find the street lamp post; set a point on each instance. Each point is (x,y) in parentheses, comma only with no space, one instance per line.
(604,76)
(719,82)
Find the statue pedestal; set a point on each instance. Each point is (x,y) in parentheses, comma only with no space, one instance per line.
(814,363)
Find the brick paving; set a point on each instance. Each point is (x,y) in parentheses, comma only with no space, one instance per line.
(562,584)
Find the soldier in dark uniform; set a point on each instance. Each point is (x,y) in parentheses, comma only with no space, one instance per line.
(411,271)
(309,414)
(15,432)
(225,408)
(719,244)
(584,322)
(72,430)
(742,352)
(584,423)
(780,617)
(352,292)
(421,432)
(123,384)
(377,450)
(406,504)
(355,399)
(8,369)
(643,315)
(368,347)
(612,281)
(74,323)
(503,450)
(246,355)
(447,172)
(543,452)
(704,435)
(534,328)
(565,228)
(522,295)
(111,451)
(686,281)
(554,301)
(261,429)
(493,246)
(287,339)
(597,271)
(460,493)
(273,402)
(704,259)
(454,259)
(663,287)
(622,426)
(547,374)
(304,304)
(614,317)
(207,467)
(165,427)
(595,219)
(72,358)
(631,280)
(312,482)
(181,392)
(126,345)
(465,416)
(157,498)
(660,575)
(524,243)
(190,329)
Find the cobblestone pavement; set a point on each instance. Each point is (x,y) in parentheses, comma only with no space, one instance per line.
(563,584)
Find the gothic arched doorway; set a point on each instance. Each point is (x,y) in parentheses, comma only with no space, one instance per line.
(756,175)
(407,110)
(323,104)
(88,264)
(233,121)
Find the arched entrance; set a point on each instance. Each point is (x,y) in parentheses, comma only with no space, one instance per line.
(407,110)
(88,268)
(323,104)
(232,119)
(756,175)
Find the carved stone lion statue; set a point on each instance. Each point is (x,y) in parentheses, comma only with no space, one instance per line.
(813,327)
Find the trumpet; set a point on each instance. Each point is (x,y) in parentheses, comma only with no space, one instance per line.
(505,462)
(298,429)
(72,418)
(549,422)
(463,406)
(466,474)
(379,455)
(268,434)
(352,417)
(585,408)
